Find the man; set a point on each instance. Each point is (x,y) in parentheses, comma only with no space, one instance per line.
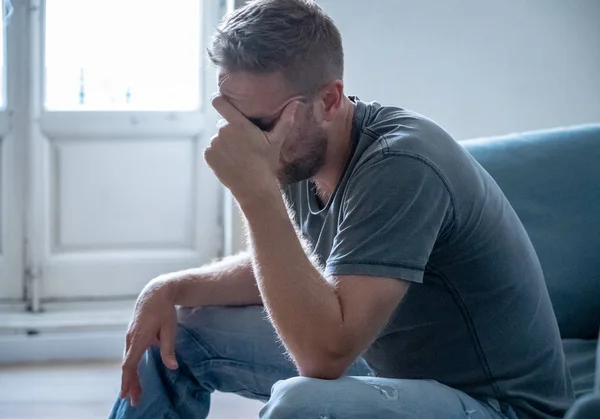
(373,237)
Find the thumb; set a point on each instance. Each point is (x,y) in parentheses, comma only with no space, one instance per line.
(167,347)
(285,123)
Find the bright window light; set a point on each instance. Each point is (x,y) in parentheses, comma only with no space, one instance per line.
(107,55)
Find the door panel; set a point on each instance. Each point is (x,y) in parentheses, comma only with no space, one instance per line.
(119,212)
(135,194)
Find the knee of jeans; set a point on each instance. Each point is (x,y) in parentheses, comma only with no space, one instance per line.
(298,398)
(187,349)
(220,317)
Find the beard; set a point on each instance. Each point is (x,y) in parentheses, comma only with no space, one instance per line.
(309,153)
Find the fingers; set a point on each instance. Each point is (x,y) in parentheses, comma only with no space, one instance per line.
(134,350)
(130,383)
(285,123)
(124,380)
(167,347)
(221,123)
(135,392)
(131,387)
(228,111)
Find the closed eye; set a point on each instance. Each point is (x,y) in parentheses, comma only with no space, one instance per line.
(262,124)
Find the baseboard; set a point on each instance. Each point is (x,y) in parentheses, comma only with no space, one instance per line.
(72,346)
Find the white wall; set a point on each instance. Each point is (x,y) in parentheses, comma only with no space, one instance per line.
(476,67)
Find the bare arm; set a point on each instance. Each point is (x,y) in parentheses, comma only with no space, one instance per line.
(227,282)
(325,323)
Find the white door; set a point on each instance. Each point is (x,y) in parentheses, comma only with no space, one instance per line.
(11,161)
(119,186)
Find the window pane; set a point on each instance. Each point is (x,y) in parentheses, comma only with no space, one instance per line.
(122,54)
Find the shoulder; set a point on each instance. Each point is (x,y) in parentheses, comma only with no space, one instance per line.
(395,131)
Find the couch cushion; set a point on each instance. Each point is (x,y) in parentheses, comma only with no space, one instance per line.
(581,358)
(552,179)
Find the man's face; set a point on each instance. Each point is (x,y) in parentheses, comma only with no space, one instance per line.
(262,99)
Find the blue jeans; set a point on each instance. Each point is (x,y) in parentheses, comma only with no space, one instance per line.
(235,350)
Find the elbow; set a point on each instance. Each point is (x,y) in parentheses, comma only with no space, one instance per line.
(322,373)
(324,367)
(326,359)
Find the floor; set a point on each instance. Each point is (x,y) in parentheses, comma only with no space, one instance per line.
(83,391)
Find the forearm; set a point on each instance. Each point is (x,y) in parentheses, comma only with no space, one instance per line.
(302,304)
(227,282)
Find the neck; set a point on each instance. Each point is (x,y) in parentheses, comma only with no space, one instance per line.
(339,148)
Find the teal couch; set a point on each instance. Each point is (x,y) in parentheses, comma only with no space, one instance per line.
(552,179)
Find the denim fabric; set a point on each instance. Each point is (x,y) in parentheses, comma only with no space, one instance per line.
(236,350)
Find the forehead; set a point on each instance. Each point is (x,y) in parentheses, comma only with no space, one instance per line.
(253,95)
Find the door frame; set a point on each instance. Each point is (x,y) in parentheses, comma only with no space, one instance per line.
(12,158)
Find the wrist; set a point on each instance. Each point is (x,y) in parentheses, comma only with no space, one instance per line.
(259,196)
(167,285)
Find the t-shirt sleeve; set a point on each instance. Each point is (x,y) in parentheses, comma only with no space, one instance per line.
(393,213)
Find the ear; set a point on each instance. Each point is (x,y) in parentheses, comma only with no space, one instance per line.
(331,95)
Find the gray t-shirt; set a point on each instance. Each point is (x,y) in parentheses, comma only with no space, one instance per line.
(414,205)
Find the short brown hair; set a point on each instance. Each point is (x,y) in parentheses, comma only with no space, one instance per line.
(293,37)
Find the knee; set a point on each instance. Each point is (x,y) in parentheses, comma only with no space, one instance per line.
(188,350)
(299,397)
